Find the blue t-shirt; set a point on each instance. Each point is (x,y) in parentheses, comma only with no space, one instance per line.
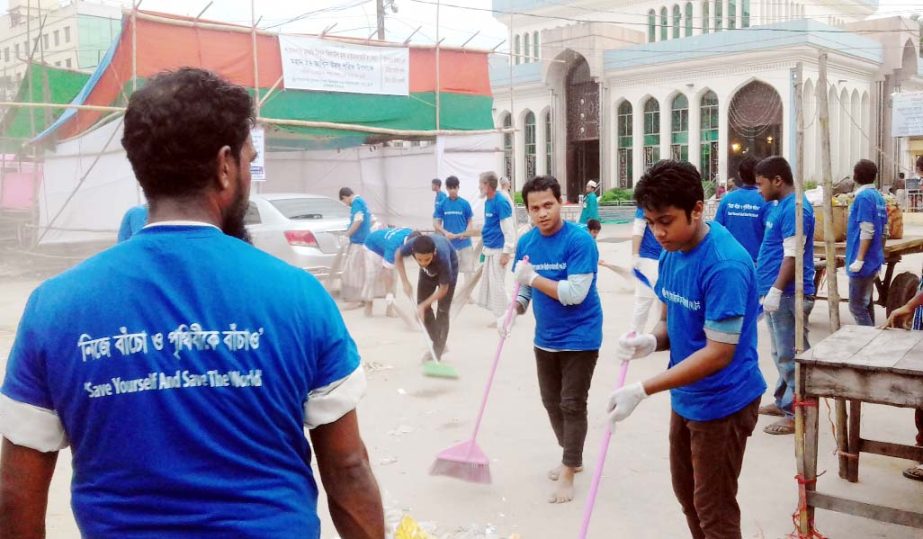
(444,266)
(455,215)
(650,247)
(569,251)
(495,210)
(743,212)
(386,241)
(712,288)
(132,222)
(440,198)
(359,206)
(182,387)
(780,224)
(868,207)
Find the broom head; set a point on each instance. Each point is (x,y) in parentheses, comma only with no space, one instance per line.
(464,461)
(437,369)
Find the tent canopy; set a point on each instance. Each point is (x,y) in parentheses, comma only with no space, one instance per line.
(167,42)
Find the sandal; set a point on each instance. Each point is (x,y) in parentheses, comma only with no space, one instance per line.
(771,409)
(782,426)
(914,472)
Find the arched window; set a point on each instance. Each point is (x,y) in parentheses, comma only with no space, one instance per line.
(549,144)
(732,14)
(679,130)
(719,15)
(677,21)
(664,24)
(708,119)
(624,135)
(688,19)
(507,121)
(535,46)
(516,50)
(526,48)
(706,18)
(745,14)
(651,26)
(651,132)
(529,132)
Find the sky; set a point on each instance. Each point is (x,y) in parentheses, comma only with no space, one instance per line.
(357,17)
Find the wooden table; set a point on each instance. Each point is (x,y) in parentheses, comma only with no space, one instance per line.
(859,364)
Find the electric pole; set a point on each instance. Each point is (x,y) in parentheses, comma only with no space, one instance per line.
(380,11)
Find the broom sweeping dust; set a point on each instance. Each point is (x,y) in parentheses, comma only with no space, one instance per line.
(466,461)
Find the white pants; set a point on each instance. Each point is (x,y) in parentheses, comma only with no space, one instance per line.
(353,279)
(492,294)
(375,270)
(645,298)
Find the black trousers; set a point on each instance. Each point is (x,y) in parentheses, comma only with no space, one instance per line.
(437,325)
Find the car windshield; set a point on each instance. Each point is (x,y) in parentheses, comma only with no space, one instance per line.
(311,208)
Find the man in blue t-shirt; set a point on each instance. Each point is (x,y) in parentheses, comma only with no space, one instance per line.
(381,247)
(498,233)
(435,284)
(865,229)
(452,219)
(183,388)
(743,211)
(360,225)
(440,195)
(556,265)
(710,330)
(645,257)
(775,269)
(132,222)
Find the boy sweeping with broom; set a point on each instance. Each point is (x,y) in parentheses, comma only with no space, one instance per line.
(560,274)
(710,330)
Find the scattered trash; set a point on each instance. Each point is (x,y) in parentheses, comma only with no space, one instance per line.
(409,529)
(401,391)
(387,460)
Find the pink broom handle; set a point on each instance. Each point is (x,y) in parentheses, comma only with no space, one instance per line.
(507,318)
(601,461)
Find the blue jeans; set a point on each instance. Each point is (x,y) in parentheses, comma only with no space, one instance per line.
(860,299)
(782,333)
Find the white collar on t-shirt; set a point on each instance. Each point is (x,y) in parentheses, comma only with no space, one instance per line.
(865,187)
(180,223)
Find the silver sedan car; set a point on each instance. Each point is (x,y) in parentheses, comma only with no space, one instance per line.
(307,231)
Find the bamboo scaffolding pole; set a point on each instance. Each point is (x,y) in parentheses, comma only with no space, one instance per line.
(799,208)
(438,78)
(98,108)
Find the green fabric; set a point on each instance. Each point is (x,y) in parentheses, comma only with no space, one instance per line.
(63,86)
(590,208)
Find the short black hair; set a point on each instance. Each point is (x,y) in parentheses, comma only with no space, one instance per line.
(345,192)
(920,164)
(900,175)
(670,183)
(773,166)
(424,245)
(176,125)
(451,182)
(539,184)
(490,178)
(864,172)
(745,170)
(594,224)
(437,182)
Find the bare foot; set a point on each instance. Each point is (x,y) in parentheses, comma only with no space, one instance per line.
(565,490)
(782,426)
(368,308)
(391,313)
(352,306)
(555,472)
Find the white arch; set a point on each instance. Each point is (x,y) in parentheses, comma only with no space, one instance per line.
(856,123)
(808,110)
(866,151)
(845,140)
(834,127)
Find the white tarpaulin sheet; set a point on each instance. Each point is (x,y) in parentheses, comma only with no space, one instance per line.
(907,114)
(86,202)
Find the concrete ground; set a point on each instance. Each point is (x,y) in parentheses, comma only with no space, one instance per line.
(407,419)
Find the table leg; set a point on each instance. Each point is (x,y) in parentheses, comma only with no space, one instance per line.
(855,414)
(806,414)
(842,437)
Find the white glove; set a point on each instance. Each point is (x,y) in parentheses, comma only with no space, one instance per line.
(389,298)
(856,266)
(624,401)
(525,273)
(505,332)
(632,346)
(772,300)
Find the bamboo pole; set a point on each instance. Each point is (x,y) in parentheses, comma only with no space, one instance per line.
(134,46)
(99,108)
(833,295)
(799,208)
(381,130)
(438,78)
(256,65)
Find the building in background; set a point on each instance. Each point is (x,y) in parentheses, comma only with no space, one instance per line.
(66,34)
(601,90)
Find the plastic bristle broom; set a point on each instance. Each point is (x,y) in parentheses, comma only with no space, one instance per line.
(466,461)
(434,368)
